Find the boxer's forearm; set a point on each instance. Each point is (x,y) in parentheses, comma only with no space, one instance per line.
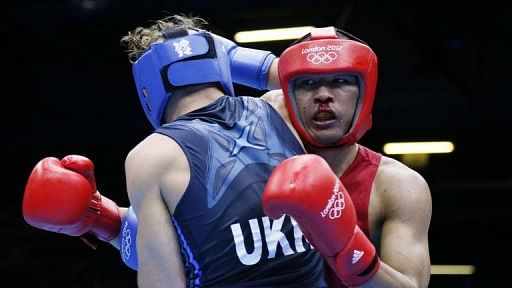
(273,76)
(116,241)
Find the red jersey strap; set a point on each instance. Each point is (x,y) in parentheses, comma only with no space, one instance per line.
(358,180)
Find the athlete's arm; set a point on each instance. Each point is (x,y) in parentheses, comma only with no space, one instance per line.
(156,176)
(116,241)
(273,76)
(406,209)
(251,67)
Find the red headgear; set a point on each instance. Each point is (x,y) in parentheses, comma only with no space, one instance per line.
(325,53)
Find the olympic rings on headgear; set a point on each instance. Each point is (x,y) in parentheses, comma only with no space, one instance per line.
(321,57)
(324,52)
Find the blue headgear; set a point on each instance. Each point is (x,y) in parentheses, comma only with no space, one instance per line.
(182,59)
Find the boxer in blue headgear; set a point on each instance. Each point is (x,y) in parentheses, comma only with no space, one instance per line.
(195,184)
(185,57)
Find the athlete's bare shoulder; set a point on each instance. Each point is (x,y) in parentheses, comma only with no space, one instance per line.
(156,151)
(276,99)
(390,167)
(157,160)
(398,185)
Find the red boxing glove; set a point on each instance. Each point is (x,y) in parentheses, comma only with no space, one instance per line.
(305,188)
(61,196)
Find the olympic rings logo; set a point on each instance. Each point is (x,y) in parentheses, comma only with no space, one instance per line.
(338,206)
(321,57)
(335,204)
(126,240)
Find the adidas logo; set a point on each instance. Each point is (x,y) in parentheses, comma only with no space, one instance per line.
(356,256)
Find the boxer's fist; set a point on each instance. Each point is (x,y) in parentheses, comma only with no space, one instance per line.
(60,196)
(305,188)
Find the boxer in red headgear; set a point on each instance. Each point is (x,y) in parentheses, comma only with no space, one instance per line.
(367,214)
(343,59)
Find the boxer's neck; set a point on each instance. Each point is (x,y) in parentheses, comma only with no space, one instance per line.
(181,104)
(339,158)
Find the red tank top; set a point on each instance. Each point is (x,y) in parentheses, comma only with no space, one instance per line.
(358,180)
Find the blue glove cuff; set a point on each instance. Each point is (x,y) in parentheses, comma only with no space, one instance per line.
(250,67)
(128,239)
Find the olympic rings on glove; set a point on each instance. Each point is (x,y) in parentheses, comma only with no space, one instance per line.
(126,242)
(338,206)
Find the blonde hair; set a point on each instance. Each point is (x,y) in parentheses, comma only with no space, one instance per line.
(139,39)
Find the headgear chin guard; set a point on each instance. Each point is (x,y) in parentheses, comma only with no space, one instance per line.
(184,58)
(347,56)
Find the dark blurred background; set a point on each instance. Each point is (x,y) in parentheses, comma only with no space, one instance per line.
(445,72)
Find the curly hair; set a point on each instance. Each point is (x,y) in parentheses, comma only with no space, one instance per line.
(139,39)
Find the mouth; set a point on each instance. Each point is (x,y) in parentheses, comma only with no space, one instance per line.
(324,117)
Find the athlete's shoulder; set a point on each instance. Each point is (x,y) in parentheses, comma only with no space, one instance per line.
(156,165)
(396,183)
(260,101)
(391,170)
(153,156)
(276,99)
(155,148)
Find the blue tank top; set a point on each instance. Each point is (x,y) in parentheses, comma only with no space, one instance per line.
(232,146)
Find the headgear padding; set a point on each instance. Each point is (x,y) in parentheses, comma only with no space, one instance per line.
(325,53)
(179,61)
